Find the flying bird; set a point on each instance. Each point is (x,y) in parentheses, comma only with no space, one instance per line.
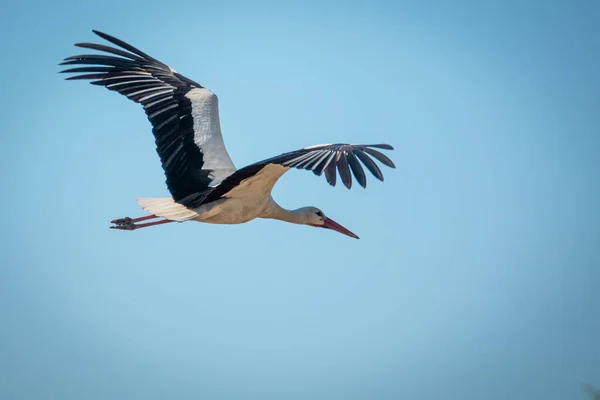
(204,184)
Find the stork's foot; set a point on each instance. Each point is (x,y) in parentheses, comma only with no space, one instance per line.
(125,224)
(125,227)
(130,221)
(122,221)
(131,224)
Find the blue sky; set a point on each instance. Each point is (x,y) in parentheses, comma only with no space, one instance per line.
(476,275)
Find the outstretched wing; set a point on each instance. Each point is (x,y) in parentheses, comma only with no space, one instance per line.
(184,115)
(320,158)
(343,157)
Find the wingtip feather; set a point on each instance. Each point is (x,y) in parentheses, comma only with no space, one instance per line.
(383,146)
(99,33)
(380,157)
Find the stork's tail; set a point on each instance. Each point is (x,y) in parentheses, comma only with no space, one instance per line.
(167,208)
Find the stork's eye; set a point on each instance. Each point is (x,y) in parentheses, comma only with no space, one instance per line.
(320,214)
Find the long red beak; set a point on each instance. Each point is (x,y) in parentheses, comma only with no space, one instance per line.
(331,224)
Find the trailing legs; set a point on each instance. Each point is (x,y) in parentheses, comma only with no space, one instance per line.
(131,224)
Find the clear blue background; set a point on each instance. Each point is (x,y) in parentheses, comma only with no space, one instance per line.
(477,273)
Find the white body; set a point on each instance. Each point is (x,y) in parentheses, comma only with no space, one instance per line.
(249,200)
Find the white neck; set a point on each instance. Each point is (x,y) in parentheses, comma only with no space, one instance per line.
(275,211)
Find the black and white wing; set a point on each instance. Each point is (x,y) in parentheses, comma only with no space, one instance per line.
(184,115)
(345,159)
(341,157)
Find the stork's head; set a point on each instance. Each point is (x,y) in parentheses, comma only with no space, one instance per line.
(315,217)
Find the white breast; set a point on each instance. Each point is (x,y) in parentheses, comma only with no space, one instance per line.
(244,202)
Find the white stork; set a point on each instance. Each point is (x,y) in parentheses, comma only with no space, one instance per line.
(204,184)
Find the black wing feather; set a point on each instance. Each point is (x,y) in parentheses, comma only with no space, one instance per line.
(330,175)
(357,170)
(381,157)
(370,164)
(344,170)
(108,49)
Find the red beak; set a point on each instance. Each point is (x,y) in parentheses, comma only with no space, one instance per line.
(331,224)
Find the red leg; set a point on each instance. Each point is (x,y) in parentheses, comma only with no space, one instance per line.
(164,221)
(147,217)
